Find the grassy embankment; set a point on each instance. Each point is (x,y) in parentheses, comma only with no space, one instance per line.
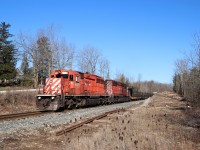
(15,102)
(167,123)
(164,124)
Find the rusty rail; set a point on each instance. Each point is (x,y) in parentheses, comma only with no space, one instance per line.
(77,125)
(19,115)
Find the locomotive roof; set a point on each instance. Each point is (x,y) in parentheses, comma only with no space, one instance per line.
(116,81)
(63,70)
(88,74)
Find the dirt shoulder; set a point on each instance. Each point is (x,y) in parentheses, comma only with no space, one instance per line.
(160,123)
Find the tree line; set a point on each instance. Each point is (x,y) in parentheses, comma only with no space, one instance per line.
(46,51)
(42,53)
(186,80)
(143,86)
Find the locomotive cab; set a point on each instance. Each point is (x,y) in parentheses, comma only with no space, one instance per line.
(60,89)
(52,94)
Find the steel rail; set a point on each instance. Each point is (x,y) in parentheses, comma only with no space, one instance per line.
(77,125)
(19,115)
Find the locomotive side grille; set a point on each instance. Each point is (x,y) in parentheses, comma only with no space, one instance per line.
(53,86)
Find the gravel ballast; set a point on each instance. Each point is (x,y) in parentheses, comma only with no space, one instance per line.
(48,121)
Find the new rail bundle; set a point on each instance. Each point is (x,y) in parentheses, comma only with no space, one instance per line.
(73,89)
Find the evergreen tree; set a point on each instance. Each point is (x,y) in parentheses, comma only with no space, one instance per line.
(7,53)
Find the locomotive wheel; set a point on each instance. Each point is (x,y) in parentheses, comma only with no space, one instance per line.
(82,103)
(70,106)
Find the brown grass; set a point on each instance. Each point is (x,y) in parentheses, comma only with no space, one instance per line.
(154,127)
(14,102)
(8,88)
(145,128)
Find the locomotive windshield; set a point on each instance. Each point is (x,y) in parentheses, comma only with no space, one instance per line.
(58,75)
(63,75)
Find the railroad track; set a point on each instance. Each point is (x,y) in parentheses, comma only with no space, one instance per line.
(86,121)
(76,125)
(20,115)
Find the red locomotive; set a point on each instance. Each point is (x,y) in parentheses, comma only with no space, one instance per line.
(68,88)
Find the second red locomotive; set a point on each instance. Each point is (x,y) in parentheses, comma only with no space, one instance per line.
(68,88)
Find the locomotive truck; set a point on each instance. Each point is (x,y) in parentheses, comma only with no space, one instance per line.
(73,89)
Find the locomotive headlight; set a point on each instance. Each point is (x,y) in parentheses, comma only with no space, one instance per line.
(52,97)
(39,97)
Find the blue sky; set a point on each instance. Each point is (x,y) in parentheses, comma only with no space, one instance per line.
(137,37)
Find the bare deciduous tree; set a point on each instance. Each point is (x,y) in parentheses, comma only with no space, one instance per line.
(181,69)
(187,76)
(29,46)
(121,77)
(88,59)
(152,86)
(46,52)
(64,55)
(104,68)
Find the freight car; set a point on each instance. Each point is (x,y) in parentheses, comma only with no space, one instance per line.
(136,95)
(73,89)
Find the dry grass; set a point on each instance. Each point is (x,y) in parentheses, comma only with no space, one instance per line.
(14,102)
(8,88)
(146,128)
(154,127)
